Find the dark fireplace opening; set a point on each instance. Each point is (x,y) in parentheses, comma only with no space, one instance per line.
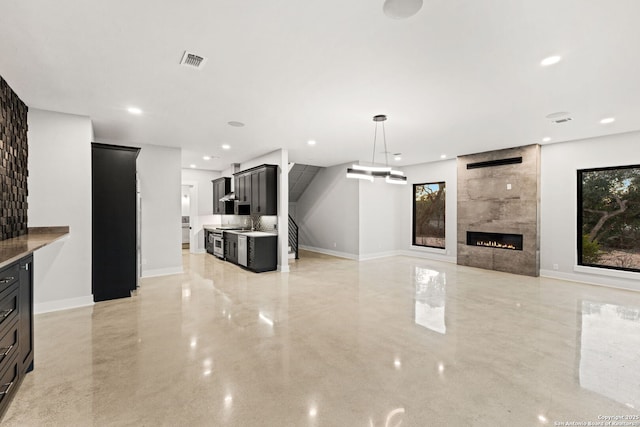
(495,240)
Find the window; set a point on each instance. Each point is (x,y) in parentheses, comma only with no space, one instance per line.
(609,217)
(428,214)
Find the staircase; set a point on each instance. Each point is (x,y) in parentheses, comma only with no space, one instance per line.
(300,176)
(293,239)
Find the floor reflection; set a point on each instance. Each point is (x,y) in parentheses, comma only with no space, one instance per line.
(430,299)
(610,351)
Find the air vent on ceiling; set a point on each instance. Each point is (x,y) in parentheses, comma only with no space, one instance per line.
(559,117)
(192,60)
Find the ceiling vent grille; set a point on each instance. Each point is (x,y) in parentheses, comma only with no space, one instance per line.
(192,60)
(560,117)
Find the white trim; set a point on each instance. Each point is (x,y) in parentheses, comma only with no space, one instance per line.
(609,282)
(606,272)
(199,251)
(328,252)
(162,272)
(440,255)
(63,304)
(378,255)
(283,268)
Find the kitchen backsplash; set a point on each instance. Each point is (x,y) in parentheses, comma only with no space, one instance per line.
(13,163)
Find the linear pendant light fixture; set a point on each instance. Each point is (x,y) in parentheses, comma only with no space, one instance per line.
(371,172)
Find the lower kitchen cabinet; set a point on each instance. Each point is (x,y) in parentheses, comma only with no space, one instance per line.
(262,253)
(231,247)
(16,327)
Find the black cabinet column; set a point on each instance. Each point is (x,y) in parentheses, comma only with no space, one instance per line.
(114,270)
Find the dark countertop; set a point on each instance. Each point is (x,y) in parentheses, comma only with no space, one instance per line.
(37,237)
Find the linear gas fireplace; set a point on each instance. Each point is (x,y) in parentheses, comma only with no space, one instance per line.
(495,240)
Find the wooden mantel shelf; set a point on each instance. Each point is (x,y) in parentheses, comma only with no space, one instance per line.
(37,237)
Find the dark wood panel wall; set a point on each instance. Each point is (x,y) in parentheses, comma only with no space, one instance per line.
(13,163)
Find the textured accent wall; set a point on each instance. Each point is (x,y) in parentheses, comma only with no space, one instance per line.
(503,198)
(13,163)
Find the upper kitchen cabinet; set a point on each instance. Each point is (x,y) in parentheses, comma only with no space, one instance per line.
(243,187)
(222,187)
(259,187)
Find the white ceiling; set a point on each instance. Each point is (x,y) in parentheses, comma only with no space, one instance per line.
(459,77)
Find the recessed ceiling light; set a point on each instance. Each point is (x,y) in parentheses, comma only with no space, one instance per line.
(192,166)
(550,60)
(546,139)
(443,156)
(226,146)
(401,9)
(134,110)
(235,124)
(397,158)
(206,157)
(311,142)
(607,120)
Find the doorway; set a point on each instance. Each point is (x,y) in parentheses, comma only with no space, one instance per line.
(186,216)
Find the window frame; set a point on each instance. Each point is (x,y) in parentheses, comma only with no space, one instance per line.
(413,216)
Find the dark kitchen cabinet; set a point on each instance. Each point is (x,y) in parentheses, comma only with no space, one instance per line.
(259,187)
(25,328)
(114,221)
(208,241)
(264,191)
(16,327)
(231,247)
(222,187)
(242,187)
(262,253)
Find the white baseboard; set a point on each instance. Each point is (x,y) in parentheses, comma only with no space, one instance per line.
(431,255)
(62,304)
(283,268)
(329,252)
(162,272)
(198,251)
(378,255)
(599,280)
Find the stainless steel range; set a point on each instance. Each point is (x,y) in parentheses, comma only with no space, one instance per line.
(218,242)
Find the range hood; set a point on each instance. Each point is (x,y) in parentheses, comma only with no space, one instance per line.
(230,197)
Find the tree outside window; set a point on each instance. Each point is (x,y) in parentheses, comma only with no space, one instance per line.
(429,215)
(609,217)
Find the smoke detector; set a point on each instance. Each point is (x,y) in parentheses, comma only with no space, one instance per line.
(559,117)
(192,60)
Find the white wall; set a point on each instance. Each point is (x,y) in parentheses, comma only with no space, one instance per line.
(558,227)
(380,205)
(328,213)
(60,194)
(205,188)
(446,171)
(185,199)
(159,172)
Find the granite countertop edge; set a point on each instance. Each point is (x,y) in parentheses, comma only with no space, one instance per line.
(15,248)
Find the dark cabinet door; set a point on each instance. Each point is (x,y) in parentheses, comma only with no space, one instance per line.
(231,247)
(221,187)
(114,221)
(255,192)
(264,191)
(25,325)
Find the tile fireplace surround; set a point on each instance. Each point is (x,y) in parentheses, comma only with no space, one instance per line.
(499,193)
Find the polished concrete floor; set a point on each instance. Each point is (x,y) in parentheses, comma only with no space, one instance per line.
(392,342)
